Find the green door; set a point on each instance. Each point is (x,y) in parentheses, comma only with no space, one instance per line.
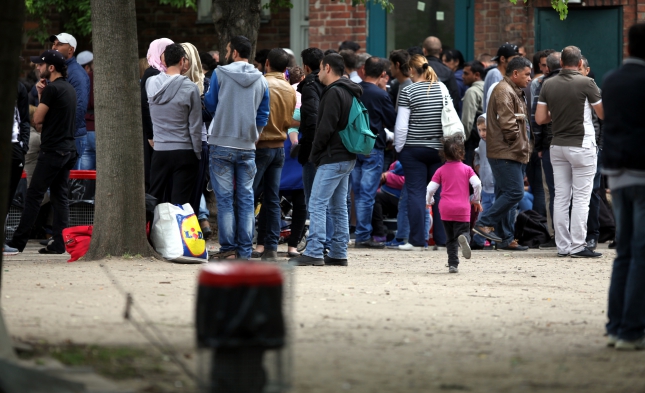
(597,32)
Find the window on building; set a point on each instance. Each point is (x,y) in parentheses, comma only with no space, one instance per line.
(413,20)
(205,11)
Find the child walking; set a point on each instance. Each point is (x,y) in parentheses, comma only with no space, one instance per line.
(454,177)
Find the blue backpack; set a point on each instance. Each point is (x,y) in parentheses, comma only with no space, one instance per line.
(357,136)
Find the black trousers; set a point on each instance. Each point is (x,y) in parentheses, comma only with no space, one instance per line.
(298,217)
(17,165)
(453,230)
(200,181)
(52,171)
(384,204)
(178,168)
(148,151)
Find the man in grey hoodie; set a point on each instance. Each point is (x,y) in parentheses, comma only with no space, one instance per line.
(239,98)
(176,113)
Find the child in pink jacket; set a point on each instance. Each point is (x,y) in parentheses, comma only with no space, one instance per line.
(454,178)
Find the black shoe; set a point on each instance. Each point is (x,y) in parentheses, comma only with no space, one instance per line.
(487,232)
(369,244)
(256,254)
(46,250)
(550,245)
(514,246)
(207,232)
(612,245)
(562,255)
(292,254)
(329,261)
(47,242)
(270,256)
(592,244)
(586,253)
(305,260)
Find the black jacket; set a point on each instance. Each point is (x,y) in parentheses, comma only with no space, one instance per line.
(446,76)
(145,107)
(22,103)
(543,133)
(333,114)
(623,99)
(311,90)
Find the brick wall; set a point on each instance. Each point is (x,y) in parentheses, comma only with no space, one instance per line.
(179,24)
(332,22)
(499,21)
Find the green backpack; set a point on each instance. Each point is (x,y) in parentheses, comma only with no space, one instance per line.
(357,136)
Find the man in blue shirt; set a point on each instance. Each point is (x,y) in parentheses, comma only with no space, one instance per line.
(78,78)
(366,175)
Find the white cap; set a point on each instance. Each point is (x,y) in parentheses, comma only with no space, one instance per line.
(65,39)
(84,57)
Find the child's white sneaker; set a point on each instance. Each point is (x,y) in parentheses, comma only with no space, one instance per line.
(465,247)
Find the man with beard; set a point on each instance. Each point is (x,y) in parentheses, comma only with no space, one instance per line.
(239,99)
(55,118)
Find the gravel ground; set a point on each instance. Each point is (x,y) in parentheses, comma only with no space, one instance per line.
(392,321)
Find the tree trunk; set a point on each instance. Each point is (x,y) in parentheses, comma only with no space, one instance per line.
(119,218)
(11,19)
(233,18)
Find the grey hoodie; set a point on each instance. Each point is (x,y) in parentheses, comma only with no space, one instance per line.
(239,98)
(176,113)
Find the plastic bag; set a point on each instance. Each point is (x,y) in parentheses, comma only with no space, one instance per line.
(176,234)
(77,241)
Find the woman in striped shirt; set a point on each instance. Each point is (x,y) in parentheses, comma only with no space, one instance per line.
(417,139)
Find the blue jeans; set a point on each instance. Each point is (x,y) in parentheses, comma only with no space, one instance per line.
(269,163)
(203,213)
(548,177)
(366,178)
(419,165)
(534,176)
(402,222)
(81,143)
(329,195)
(308,176)
(234,169)
(509,191)
(487,202)
(626,309)
(527,202)
(88,159)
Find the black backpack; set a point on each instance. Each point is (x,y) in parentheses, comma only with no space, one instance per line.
(530,229)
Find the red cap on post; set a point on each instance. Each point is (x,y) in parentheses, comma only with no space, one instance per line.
(239,274)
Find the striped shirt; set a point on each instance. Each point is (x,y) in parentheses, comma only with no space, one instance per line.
(424,126)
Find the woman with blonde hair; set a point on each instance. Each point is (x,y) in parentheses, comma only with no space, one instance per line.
(195,72)
(417,139)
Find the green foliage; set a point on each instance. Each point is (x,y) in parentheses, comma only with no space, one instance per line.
(76,15)
(561,6)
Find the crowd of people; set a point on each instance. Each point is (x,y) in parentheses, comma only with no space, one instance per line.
(262,128)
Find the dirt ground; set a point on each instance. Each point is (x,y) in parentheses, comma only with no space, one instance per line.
(392,321)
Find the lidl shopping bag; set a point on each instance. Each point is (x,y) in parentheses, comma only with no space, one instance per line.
(176,234)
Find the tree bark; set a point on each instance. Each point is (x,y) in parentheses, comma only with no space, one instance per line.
(11,19)
(119,218)
(233,18)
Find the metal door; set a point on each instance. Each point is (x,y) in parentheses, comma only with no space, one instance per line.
(597,32)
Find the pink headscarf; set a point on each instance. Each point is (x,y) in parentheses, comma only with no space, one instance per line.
(156,49)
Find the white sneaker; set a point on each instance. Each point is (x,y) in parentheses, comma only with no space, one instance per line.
(624,345)
(410,247)
(8,251)
(465,247)
(611,340)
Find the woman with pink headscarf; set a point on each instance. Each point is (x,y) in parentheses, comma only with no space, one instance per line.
(155,52)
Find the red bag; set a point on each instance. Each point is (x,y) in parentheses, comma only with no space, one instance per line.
(77,241)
